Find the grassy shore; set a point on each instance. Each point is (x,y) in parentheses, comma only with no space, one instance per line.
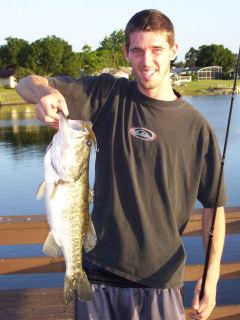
(202,87)
(206,87)
(10,96)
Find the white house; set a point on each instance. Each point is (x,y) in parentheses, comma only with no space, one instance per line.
(7,78)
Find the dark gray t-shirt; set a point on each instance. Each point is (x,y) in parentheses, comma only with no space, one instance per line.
(155,159)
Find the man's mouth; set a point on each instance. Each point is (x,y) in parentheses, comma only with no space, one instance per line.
(148,74)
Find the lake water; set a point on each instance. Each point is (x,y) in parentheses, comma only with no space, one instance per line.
(23,141)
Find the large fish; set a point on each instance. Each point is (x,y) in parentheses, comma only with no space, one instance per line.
(67,195)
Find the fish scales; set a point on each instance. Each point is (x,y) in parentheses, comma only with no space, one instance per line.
(67,196)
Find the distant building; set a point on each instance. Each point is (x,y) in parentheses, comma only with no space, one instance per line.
(180,76)
(7,78)
(212,72)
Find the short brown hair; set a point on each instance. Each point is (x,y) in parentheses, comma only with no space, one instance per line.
(150,20)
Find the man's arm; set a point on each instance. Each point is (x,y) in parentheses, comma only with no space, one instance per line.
(35,89)
(203,308)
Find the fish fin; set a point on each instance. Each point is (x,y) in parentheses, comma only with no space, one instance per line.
(79,286)
(41,190)
(51,248)
(90,237)
(54,190)
(91,195)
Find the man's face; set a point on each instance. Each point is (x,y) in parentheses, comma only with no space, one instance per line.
(149,55)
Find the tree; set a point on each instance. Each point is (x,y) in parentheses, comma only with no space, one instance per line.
(13,53)
(191,57)
(51,55)
(74,66)
(114,42)
(177,64)
(111,49)
(89,60)
(210,55)
(21,72)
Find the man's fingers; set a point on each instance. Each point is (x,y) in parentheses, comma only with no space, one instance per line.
(202,310)
(53,103)
(63,107)
(50,120)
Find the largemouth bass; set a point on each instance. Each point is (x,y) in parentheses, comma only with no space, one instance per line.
(67,195)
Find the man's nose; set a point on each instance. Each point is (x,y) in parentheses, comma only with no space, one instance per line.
(147,58)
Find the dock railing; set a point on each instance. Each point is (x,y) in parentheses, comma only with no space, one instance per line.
(47,303)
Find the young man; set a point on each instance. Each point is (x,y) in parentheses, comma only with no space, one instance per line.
(157,155)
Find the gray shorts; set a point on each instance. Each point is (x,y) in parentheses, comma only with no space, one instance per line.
(114,303)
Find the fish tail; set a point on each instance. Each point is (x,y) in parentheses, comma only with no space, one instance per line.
(83,288)
(78,286)
(68,291)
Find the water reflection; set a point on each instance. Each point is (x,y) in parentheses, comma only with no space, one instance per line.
(21,136)
(19,129)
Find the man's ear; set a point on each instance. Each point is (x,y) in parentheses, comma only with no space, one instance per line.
(174,50)
(126,51)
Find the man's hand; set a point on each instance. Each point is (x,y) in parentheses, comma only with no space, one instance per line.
(49,101)
(48,106)
(202,309)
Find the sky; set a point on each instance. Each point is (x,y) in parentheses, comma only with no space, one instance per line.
(88,22)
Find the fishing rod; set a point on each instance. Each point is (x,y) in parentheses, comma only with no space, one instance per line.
(210,239)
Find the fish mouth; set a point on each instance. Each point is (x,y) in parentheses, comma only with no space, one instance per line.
(88,127)
(77,127)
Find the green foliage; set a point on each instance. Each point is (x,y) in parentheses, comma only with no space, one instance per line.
(210,55)
(89,60)
(52,55)
(21,72)
(114,42)
(13,53)
(191,57)
(111,50)
(179,64)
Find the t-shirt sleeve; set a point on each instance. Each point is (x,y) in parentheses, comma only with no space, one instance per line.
(210,175)
(84,96)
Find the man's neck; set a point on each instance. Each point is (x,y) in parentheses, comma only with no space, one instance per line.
(163,93)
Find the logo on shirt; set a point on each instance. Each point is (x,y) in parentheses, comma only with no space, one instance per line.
(143,134)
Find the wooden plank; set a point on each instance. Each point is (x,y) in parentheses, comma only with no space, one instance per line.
(34,228)
(31,265)
(26,305)
(32,296)
(194,225)
(47,264)
(228,271)
(30,229)
(34,304)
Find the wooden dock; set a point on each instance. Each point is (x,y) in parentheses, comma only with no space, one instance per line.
(43,304)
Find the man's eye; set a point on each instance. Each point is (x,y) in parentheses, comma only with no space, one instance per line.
(135,50)
(157,50)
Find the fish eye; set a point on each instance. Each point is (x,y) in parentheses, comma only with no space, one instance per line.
(89,143)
